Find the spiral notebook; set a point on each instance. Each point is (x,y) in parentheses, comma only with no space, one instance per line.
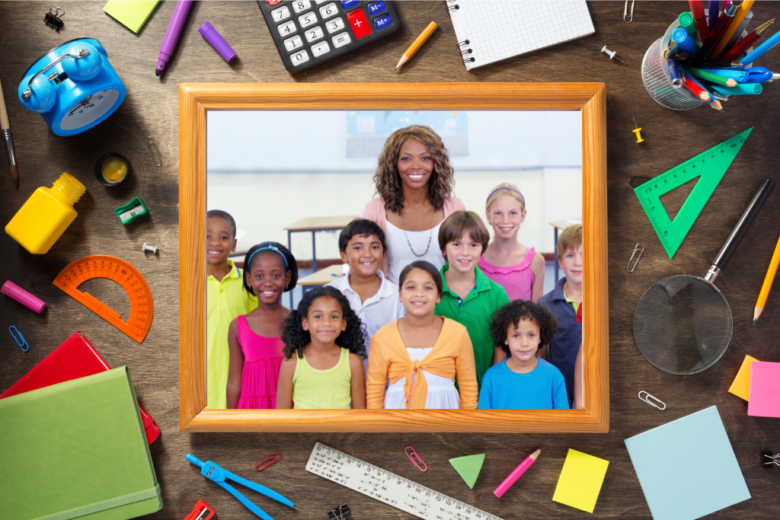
(494,30)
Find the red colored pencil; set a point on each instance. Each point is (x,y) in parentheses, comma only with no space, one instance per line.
(697,10)
(745,43)
(694,87)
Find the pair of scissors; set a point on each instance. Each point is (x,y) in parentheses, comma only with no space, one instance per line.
(212,471)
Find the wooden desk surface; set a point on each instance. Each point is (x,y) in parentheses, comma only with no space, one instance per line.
(323,276)
(151,109)
(315,223)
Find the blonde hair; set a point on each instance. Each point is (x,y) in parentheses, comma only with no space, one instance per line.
(458,224)
(505,188)
(569,240)
(388,181)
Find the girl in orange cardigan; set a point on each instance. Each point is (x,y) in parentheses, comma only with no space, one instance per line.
(421,354)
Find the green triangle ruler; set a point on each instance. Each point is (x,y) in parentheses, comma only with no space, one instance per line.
(468,467)
(710,167)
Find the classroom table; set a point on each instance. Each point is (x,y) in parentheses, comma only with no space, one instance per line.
(322,277)
(314,225)
(151,109)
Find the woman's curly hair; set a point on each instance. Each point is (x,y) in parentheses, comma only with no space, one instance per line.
(513,312)
(388,181)
(353,338)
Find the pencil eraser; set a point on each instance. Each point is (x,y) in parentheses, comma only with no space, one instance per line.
(17,293)
(217,41)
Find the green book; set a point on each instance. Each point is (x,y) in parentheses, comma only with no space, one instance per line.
(76,450)
(133,14)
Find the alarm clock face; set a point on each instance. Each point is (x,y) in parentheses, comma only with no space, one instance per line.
(89,109)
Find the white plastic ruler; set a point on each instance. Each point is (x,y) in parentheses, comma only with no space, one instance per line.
(388,487)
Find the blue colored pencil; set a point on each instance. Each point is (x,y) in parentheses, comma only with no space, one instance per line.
(761,49)
(713,13)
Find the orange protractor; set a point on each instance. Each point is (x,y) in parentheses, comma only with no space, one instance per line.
(127,276)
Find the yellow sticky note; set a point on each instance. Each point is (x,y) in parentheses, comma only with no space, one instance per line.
(741,385)
(133,14)
(580,481)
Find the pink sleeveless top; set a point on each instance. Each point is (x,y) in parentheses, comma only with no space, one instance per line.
(517,280)
(262,360)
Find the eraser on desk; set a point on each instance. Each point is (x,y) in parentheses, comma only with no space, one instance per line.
(217,41)
(17,293)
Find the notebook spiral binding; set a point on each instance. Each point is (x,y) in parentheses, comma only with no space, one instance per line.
(465,50)
(453,7)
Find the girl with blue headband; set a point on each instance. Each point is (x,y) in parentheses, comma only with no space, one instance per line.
(256,348)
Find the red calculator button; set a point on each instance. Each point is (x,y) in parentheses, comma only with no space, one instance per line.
(273,2)
(357,20)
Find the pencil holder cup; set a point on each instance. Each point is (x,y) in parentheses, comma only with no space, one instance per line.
(658,80)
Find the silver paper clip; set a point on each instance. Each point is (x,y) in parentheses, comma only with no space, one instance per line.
(152,146)
(18,338)
(626,17)
(652,401)
(638,250)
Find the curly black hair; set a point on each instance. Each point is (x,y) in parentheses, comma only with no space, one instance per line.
(277,249)
(513,312)
(295,338)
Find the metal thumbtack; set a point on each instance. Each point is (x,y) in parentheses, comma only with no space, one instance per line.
(611,54)
(638,250)
(652,401)
(628,18)
(412,456)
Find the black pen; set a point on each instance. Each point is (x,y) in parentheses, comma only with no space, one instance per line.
(5,127)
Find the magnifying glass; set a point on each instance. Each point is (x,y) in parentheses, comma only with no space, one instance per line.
(683,323)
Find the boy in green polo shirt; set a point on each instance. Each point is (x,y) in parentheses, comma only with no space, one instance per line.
(470,298)
(226,299)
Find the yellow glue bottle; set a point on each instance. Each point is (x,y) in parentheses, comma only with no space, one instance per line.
(46,215)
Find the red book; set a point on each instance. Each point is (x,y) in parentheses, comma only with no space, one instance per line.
(75,358)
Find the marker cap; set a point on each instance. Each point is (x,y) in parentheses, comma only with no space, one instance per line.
(217,41)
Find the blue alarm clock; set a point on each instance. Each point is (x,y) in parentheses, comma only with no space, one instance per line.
(74,87)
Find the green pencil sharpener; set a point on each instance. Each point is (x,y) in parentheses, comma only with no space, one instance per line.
(131,211)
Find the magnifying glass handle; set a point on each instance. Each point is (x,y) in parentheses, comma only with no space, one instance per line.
(732,242)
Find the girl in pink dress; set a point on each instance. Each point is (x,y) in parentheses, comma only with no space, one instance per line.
(515,267)
(256,348)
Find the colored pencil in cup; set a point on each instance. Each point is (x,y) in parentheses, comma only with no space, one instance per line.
(745,43)
(770,277)
(711,76)
(416,44)
(697,10)
(743,10)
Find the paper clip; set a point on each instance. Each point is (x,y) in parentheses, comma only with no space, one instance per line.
(274,459)
(626,17)
(769,459)
(638,250)
(652,401)
(152,146)
(414,455)
(339,513)
(18,338)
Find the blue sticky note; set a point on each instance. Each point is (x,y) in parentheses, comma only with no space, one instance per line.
(687,467)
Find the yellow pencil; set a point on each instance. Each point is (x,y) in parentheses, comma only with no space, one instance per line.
(735,23)
(770,277)
(416,44)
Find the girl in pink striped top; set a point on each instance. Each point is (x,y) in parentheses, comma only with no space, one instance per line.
(517,268)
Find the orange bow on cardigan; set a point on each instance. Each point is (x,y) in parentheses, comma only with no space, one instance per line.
(452,355)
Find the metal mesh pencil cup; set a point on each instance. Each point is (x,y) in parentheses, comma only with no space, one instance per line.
(658,81)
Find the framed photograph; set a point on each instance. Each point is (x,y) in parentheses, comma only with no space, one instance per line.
(291,160)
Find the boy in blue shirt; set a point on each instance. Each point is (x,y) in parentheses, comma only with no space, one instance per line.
(522,381)
(564,301)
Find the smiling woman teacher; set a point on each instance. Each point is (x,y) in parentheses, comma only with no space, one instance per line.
(414,181)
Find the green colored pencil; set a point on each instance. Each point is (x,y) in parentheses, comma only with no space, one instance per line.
(709,76)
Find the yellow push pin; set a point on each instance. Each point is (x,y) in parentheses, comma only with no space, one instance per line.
(638,132)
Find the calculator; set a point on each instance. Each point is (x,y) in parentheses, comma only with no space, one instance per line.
(310,32)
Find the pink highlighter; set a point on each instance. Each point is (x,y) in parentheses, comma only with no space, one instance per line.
(519,470)
(17,293)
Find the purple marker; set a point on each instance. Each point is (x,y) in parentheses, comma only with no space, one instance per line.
(172,33)
(217,41)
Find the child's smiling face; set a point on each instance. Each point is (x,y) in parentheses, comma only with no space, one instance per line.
(505,216)
(571,263)
(268,277)
(463,254)
(523,340)
(325,320)
(219,240)
(419,294)
(415,164)
(364,254)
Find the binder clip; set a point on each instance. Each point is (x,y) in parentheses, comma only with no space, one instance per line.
(202,511)
(414,455)
(339,513)
(272,459)
(215,473)
(52,18)
(769,460)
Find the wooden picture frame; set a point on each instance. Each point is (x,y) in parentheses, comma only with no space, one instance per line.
(195,100)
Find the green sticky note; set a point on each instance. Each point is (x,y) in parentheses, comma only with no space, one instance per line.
(468,467)
(133,14)
(580,481)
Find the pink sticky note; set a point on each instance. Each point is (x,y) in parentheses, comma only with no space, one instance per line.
(764,389)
